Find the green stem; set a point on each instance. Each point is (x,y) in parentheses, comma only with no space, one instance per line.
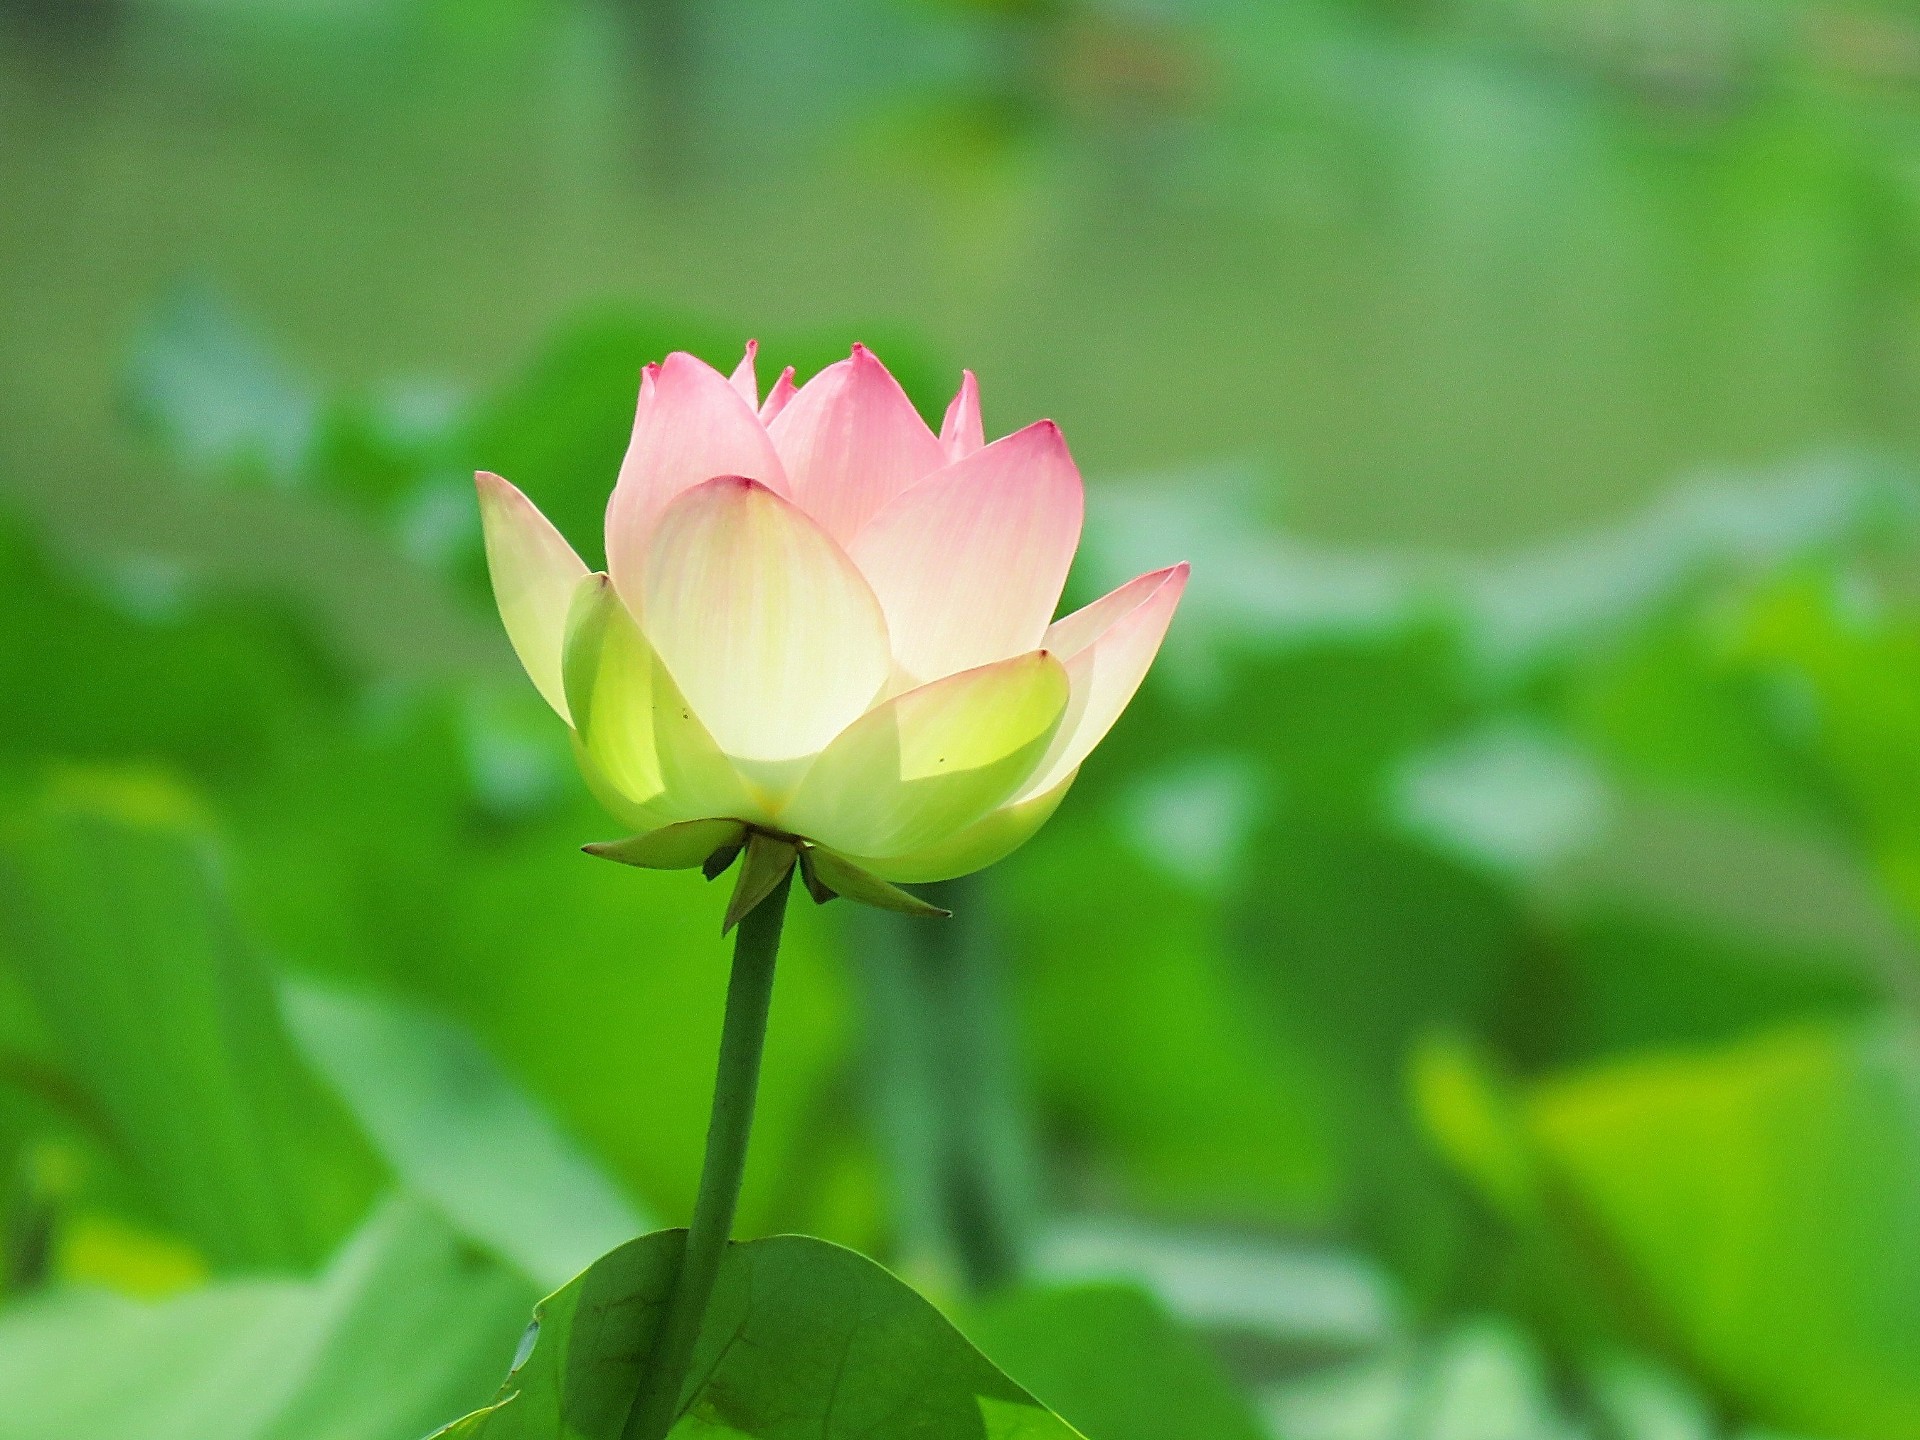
(742,1038)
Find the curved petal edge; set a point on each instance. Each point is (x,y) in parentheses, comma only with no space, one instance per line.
(1109,646)
(534,573)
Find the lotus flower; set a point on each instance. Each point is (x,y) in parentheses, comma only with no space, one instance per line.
(822,622)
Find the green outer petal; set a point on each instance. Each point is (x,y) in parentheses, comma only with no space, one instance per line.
(534,573)
(636,816)
(927,764)
(685,846)
(643,739)
(993,837)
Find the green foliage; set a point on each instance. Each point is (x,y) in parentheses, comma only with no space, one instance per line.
(405,1323)
(1469,997)
(802,1338)
(167,1026)
(1753,1193)
(455,1129)
(1111,1360)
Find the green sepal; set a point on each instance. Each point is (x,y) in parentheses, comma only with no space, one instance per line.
(827,872)
(674,847)
(810,877)
(721,860)
(769,859)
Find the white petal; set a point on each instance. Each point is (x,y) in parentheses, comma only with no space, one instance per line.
(763,620)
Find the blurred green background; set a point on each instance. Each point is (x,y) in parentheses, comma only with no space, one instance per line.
(1473,994)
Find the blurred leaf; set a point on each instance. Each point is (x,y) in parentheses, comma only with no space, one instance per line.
(218,681)
(403,1326)
(1598,584)
(1253,586)
(802,1338)
(1110,1360)
(1794,905)
(1486,1381)
(1354,943)
(457,1130)
(1766,1196)
(1472,1116)
(217,393)
(1509,796)
(1853,667)
(1481,1380)
(1647,975)
(166,1019)
(1308,1299)
(1154,1068)
(103,1250)
(1670,709)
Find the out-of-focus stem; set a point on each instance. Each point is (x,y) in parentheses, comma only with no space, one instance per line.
(945,1093)
(743,1037)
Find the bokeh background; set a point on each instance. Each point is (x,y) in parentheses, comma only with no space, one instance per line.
(1472,996)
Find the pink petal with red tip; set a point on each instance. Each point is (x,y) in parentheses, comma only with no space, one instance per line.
(690,426)
(961,433)
(1107,647)
(969,563)
(851,441)
(743,379)
(768,629)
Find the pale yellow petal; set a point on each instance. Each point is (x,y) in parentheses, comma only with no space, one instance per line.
(927,764)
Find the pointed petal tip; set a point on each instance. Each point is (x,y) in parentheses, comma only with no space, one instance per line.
(961,432)
(1041,434)
(743,378)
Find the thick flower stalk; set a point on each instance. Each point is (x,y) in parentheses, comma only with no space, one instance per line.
(823,624)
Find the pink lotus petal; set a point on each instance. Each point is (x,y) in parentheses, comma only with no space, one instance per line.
(969,563)
(1107,646)
(762,620)
(961,433)
(743,379)
(851,441)
(690,426)
(783,390)
(535,574)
